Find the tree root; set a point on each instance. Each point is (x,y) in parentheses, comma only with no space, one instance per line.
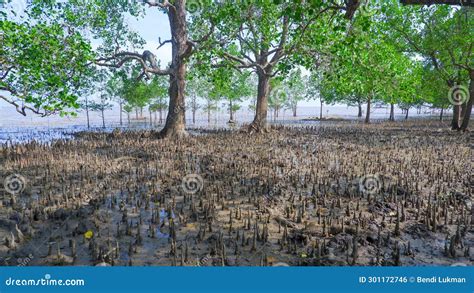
(255,127)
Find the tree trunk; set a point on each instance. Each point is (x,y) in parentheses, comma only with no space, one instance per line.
(406,114)
(456,110)
(136,113)
(128,118)
(294,111)
(259,123)
(321,109)
(121,111)
(468,108)
(359,104)
(209,116)
(175,121)
(455,120)
(103,119)
(194,109)
(151,118)
(161,116)
(87,114)
(441,114)
(231,118)
(367,115)
(392,112)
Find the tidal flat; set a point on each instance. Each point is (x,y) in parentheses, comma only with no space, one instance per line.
(341,194)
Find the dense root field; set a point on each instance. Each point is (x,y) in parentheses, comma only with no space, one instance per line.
(342,194)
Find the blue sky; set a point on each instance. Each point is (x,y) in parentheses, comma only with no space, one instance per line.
(151,27)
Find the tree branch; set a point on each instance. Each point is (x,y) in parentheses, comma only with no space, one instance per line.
(23,108)
(143,59)
(163,5)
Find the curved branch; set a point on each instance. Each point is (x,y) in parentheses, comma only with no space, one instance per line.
(163,5)
(23,108)
(144,59)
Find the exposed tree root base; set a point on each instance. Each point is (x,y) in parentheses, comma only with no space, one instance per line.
(172,134)
(256,128)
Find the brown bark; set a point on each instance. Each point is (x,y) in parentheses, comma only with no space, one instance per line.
(194,109)
(456,111)
(175,121)
(259,123)
(87,114)
(321,109)
(468,108)
(231,113)
(392,112)
(209,115)
(455,120)
(103,118)
(367,115)
(121,112)
(151,118)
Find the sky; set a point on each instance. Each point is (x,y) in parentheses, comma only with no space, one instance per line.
(155,25)
(151,27)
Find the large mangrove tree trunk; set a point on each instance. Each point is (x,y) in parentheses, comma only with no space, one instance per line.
(456,115)
(259,123)
(392,112)
(367,115)
(181,49)
(468,107)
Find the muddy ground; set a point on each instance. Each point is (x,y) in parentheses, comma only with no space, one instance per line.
(340,194)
